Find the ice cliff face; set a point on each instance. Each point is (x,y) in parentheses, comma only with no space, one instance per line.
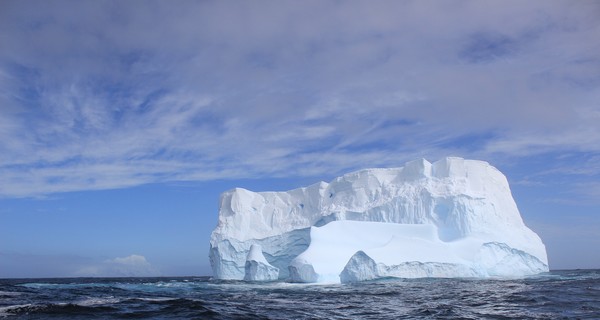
(452,218)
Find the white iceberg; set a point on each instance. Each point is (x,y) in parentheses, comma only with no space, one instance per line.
(452,218)
(257,268)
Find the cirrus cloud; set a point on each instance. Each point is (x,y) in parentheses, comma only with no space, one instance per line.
(129,93)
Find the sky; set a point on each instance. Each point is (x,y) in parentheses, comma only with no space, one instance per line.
(121,122)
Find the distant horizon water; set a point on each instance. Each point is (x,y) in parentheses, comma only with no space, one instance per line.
(210,276)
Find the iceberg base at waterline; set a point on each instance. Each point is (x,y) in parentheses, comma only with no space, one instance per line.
(450,218)
(351,251)
(257,268)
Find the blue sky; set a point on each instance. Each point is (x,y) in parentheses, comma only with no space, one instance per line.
(121,122)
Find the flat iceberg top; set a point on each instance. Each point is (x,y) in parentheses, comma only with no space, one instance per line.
(247,215)
(451,200)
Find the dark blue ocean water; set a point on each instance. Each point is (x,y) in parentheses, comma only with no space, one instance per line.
(559,294)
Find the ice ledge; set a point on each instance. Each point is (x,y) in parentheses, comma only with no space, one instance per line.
(350,251)
(495,260)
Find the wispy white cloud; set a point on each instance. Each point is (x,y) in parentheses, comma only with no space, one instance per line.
(121,94)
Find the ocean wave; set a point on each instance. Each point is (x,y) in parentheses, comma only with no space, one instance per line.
(156,299)
(565,294)
(10,293)
(95,301)
(12,310)
(63,309)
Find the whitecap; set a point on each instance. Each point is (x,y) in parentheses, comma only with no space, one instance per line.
(9,310)
(94,301)
(157,299)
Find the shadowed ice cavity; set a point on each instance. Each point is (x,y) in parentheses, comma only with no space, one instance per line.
(278,250)
(442,212)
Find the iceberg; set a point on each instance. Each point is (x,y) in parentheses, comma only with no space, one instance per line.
(450,218)
(257,268)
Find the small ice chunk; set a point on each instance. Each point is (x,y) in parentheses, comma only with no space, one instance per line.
(258,268)
(360,267)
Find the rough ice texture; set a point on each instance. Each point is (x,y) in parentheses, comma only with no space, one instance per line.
(257,268)
(452,218)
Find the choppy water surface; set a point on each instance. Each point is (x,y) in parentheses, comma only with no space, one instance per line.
(555,295)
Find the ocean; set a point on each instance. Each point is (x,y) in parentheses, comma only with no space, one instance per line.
(572,294)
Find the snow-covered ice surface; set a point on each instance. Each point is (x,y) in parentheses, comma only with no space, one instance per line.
(452,218)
